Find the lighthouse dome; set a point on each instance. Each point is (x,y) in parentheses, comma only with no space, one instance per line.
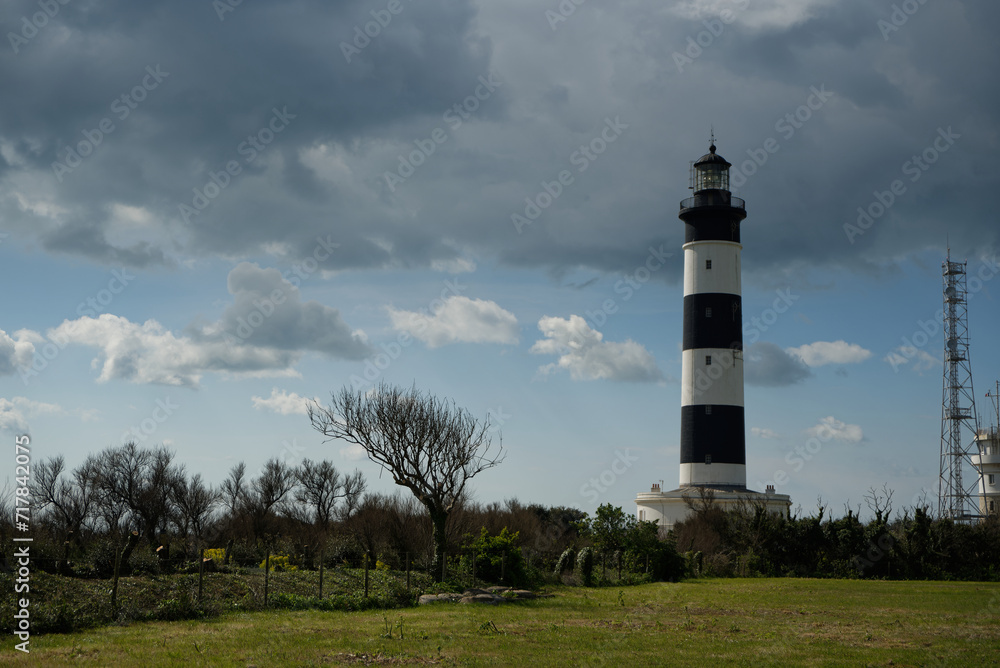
(712,158)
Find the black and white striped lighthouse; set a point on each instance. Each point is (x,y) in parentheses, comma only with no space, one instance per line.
(713,443)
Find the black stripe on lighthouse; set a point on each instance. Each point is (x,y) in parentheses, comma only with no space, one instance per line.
(713,320)
(720,435)
(704,227)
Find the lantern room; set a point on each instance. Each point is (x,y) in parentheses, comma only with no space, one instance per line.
(710,172)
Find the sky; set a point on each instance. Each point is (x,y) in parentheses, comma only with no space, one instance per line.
(212,213)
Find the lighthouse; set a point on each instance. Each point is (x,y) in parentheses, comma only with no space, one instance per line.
(713,457)
(713,442)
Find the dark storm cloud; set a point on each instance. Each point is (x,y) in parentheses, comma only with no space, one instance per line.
(268,311)
(767,365)
(805,161)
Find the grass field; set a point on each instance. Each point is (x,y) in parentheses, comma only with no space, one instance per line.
(750,622)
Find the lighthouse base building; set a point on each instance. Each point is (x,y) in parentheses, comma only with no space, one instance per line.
(669,508)
(713,438)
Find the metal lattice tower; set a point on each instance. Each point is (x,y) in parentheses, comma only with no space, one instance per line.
(959,484)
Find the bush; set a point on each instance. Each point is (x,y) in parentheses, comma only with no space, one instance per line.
(244,554)
(279,562)
(143,562)
(498,558)
(585,566)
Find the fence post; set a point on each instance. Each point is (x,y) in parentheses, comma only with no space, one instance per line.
(322,552)
(407,571)
(201,572)
(444,565)
(473,568)
(267,574)
(366,575)
(114,587)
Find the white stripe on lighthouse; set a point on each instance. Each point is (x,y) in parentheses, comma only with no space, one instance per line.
(718,383)
(724,276)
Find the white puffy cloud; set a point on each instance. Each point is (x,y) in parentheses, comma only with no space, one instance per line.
(262,333)
(921,359)
(830,428)
(830,352)
(583,352)
(283,403)
(14,413)
(458,319)
(17,352)
(761,432)
(148,353)
(353,452)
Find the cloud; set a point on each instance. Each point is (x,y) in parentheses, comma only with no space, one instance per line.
(18,352)
(832,428)
(283,403)
(353,452)
(459,320)
(767,365)
(14,413)
(268,311)
(148,353)
(765,433)
(583,352)
(264,332)
(830,352)
(765,14)
(325,172)
(921,359)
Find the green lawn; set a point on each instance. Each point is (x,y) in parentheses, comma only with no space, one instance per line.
(753,622)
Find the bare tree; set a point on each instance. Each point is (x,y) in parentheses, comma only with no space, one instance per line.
(70,503)
(137,480)
(234,489)
(275,482)
(195,502)
(880,503)
(428,445)
(321,486)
